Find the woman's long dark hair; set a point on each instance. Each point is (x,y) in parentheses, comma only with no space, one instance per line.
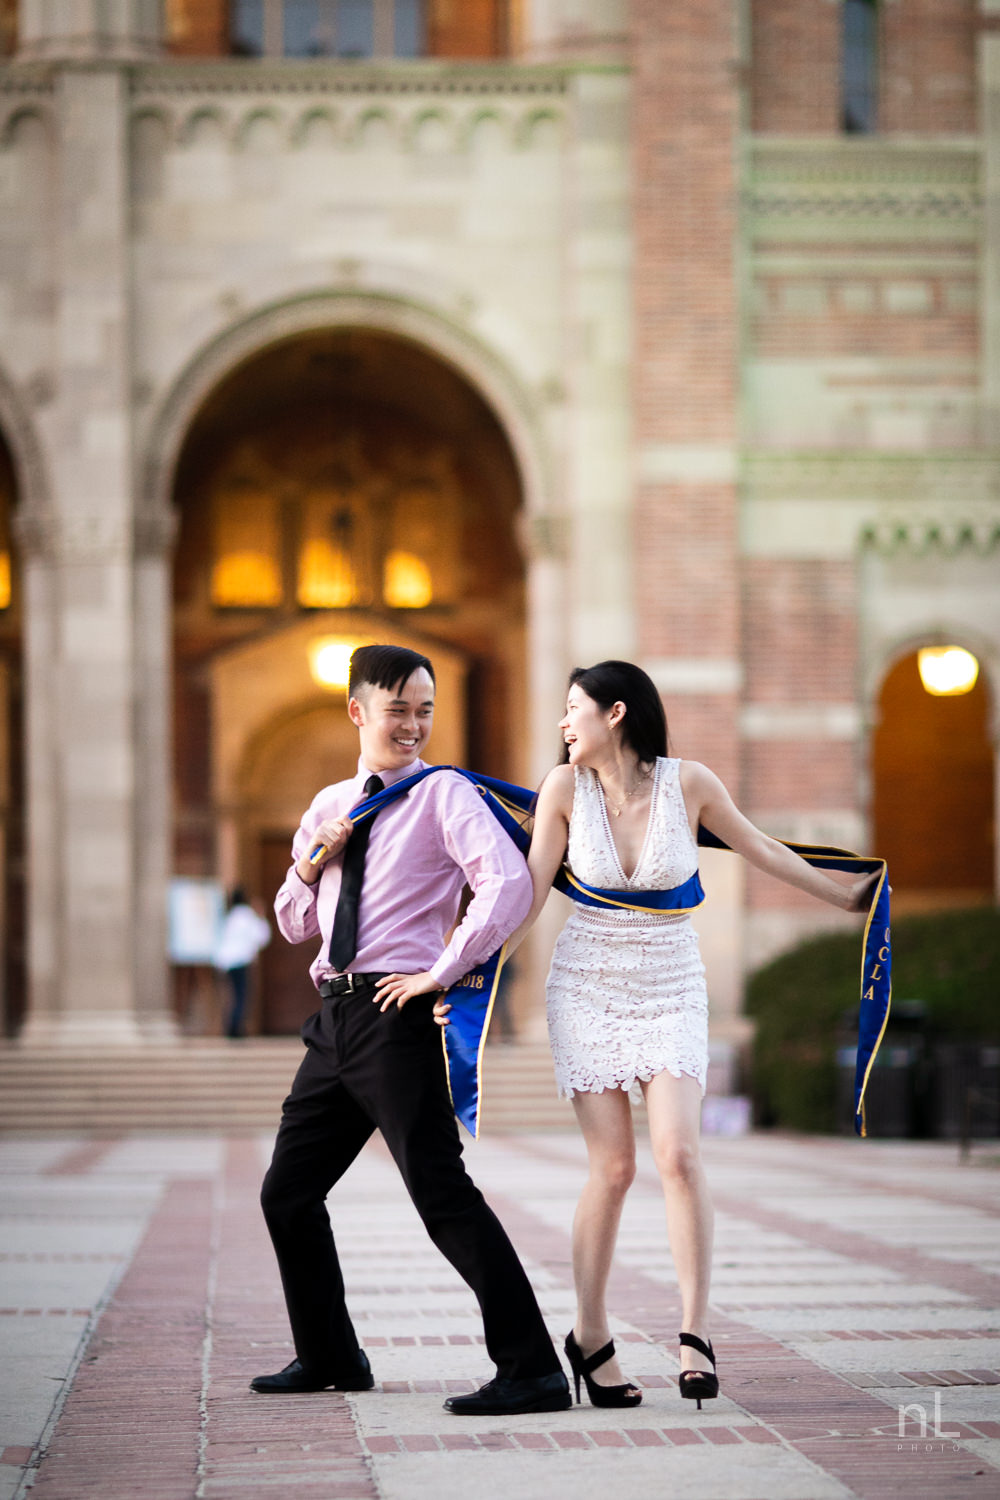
(644,727)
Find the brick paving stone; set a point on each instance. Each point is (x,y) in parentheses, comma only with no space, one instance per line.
(646,1437)
(15,1455)
(159,1407)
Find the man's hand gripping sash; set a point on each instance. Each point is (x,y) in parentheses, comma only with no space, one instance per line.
(474,995)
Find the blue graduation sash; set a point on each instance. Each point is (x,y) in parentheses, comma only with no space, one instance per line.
(474,995)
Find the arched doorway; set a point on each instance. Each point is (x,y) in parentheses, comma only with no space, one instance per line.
(348,481)
(12,799)
(933,803)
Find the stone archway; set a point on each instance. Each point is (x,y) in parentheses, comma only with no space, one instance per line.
(344,482)
(528,419)
(933,803)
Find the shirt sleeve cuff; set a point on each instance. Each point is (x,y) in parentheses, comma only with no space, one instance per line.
(445,973)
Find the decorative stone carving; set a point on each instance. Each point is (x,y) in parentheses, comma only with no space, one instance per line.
(919,535)
(154,532)
(545,537)
(949,478)
(45,535)
(301,77)
(404,103)
(19,433)
(863,189)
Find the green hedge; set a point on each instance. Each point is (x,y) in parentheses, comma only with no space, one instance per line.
(950,961)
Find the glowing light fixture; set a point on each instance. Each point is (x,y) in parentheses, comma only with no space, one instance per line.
(330,661)
(407,583)
(326,578)
(246,580)
(947,671)
(4,580)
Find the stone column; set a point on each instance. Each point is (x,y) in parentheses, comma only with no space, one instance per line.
(152,543)
(96,621)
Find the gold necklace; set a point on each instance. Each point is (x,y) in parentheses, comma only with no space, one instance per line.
(618,810)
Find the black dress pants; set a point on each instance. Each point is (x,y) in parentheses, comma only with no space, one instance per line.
(364,1069)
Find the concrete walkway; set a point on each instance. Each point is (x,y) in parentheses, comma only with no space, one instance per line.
(857,1323)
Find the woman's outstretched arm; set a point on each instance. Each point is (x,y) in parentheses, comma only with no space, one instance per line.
(709,803)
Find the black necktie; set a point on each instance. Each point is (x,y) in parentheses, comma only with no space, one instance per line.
(344,938)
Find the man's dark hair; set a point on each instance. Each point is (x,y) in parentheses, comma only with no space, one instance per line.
(385,667)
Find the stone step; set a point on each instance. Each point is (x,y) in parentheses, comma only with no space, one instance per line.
(209,1084)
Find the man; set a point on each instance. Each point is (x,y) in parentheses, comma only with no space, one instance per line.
(374,1055)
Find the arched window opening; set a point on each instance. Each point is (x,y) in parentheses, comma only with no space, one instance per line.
(246,566)
(934,790)
(7,565)
(330,565)
(859,67)
(365,519)
(6,593)
(337,486)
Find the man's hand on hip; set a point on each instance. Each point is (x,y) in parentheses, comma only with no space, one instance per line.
(396,989)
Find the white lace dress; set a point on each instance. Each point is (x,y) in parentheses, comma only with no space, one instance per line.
(626,991)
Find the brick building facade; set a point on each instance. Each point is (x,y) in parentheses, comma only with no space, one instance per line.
(573,330)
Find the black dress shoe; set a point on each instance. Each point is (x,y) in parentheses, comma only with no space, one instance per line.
(500,1398)
(294,1378)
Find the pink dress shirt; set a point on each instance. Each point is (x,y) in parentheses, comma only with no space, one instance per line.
(424,848)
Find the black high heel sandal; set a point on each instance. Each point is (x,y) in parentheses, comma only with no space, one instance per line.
(698,1385)
(600,1395)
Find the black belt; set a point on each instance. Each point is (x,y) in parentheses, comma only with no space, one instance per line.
(348,984)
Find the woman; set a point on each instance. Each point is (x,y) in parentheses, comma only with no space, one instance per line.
(243,933)
(626,991)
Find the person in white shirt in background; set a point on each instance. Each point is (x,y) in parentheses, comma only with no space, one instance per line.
(241,937)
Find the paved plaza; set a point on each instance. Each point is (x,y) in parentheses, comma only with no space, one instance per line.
(856,1320)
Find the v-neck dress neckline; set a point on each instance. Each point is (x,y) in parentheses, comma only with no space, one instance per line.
(628,880)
